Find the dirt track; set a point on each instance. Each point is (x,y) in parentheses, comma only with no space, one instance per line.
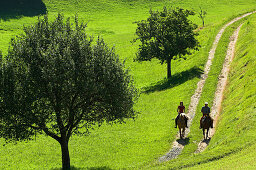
(178,144)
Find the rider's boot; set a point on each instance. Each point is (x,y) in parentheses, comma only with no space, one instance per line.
(200,124)
(186,122)
(176,122)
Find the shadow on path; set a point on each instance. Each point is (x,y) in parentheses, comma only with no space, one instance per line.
(183,142)
(176,150)
(175,80)
(14,9)
(207,141)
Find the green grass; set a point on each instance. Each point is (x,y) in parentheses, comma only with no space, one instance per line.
(245,159)
(140,142)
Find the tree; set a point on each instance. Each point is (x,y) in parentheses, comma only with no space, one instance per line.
(21,7)
(202,15)
(166,34)
(56,80)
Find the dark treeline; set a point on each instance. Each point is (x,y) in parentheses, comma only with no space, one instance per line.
(16,8)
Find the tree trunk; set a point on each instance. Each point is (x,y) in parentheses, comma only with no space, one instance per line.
(65,155)
(169,73)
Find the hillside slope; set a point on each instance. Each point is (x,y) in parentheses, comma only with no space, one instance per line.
(187,157)
(236,129)
(233,146)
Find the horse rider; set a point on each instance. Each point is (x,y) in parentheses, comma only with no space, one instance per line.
(181,109)
(206,111)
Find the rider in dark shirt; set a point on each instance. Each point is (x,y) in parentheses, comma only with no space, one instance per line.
(206,111)
(180,109)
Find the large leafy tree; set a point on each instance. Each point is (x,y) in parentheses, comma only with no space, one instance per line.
(166,34)
(56,80)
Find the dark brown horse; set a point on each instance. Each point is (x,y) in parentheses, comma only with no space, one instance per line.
(181,124)
(206,124)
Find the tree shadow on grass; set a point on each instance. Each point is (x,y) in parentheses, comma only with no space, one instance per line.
(175,80)
(100,168)
(14,9)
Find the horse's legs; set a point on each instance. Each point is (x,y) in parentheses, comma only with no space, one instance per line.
(204,133)
(207,133)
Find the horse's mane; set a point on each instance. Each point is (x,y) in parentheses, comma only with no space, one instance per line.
(183,115)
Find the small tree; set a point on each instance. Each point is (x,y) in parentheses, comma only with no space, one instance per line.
(202,15)
(55,81)
(166,34)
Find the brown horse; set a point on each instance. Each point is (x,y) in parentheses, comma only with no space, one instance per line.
(206,124)
(181,124)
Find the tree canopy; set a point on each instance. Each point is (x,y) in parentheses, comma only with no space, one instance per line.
(166,34)
(56,80)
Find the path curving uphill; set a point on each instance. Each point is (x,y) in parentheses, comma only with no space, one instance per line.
(178,145)
(216,107)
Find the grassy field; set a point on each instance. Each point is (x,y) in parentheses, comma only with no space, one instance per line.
(136,143)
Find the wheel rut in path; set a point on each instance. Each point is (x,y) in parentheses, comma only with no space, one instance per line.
(179,144)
